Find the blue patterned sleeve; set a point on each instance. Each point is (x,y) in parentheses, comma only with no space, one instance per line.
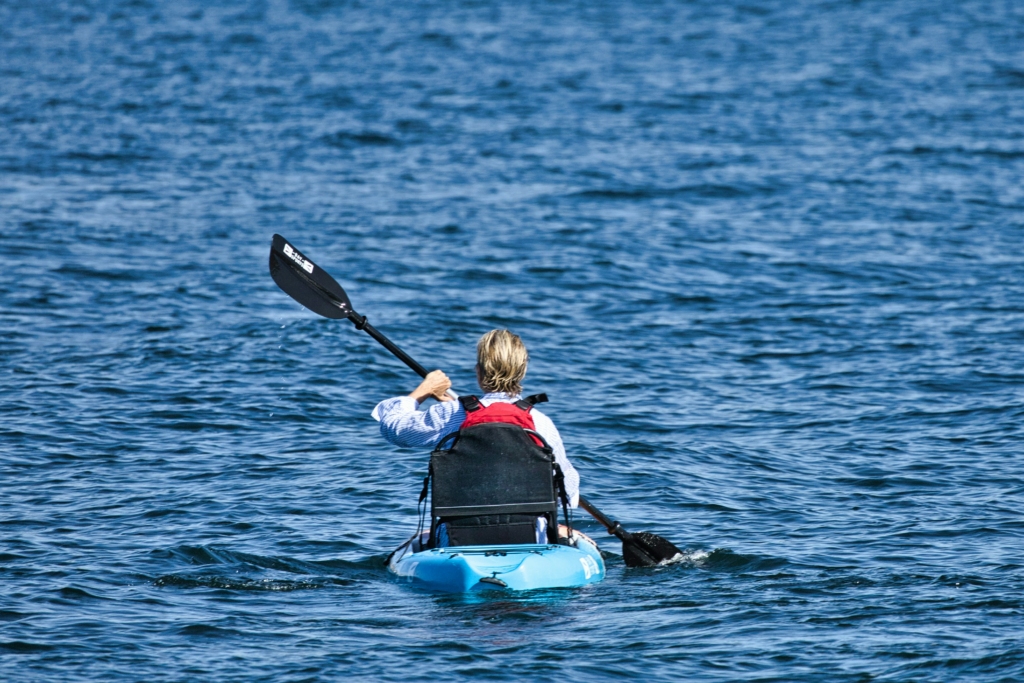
(403,425)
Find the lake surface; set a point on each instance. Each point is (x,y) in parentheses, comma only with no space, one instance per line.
(767,258)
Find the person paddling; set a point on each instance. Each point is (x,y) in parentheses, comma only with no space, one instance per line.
(501,366)
(315,289)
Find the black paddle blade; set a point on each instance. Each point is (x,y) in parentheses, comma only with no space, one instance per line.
(648,550)
(307,283)
(642,549)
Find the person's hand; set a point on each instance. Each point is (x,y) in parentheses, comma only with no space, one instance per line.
(434,385)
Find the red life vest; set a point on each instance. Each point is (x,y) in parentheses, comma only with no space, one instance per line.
(517,413)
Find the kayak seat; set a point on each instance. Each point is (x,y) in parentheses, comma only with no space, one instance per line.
(489,484)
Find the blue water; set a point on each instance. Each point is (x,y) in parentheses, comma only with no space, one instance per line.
(766,256)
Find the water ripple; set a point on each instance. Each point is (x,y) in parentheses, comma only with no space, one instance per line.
(765,256)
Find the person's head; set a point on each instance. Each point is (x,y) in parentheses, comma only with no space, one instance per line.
(501,360)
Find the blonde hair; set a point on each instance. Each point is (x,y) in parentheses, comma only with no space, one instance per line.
(501,358)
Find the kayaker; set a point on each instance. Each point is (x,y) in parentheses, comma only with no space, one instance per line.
(501,365)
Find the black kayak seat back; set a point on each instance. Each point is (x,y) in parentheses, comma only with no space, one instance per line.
(489,483)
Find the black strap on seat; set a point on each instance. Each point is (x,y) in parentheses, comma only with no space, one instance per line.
(564,497)
(426,487)
(492,530)
(471,404)
(421,509)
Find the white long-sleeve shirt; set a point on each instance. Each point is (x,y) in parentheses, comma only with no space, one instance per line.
(403,424)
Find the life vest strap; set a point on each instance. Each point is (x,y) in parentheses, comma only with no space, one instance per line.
(470,404)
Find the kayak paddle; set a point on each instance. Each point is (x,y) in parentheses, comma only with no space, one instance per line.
(642,549)
(314,288)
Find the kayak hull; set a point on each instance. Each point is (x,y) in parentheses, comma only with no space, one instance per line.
(476,568)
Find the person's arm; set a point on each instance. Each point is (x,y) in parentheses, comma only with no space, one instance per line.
(546,428)
(403,425)
(435,385)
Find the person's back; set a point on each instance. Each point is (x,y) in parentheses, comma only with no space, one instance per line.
(501,365)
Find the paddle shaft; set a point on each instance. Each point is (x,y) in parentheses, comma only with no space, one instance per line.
(610,524)
(361,324)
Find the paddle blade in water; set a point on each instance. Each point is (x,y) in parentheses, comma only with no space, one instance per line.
(648,550)
(642,549)
(307,283)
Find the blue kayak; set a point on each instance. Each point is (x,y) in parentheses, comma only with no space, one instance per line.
(491,567)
